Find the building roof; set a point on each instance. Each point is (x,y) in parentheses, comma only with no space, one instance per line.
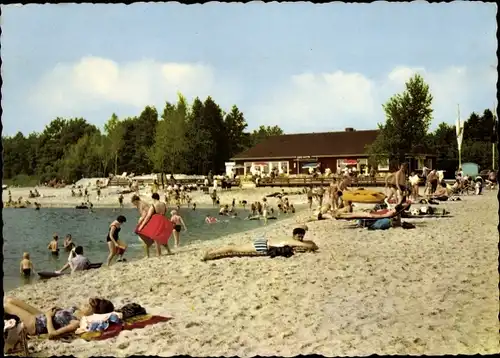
(327,144)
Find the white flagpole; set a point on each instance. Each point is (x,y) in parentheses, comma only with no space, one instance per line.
(460,131)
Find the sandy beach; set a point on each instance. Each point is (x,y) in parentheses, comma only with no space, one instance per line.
(61,198)
(429,290)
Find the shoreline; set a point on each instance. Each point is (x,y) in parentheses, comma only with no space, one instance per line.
(429,290)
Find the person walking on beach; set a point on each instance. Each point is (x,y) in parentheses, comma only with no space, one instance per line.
(54,245)
(177,220)
(310,197)
(399,183)
(159,208)
(112,239)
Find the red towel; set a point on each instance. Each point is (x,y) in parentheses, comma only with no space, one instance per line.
(158,229)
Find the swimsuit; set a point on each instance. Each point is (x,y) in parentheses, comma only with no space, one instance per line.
(55,253)
(61,318)
(27,272)
(115,234)
(260,245)
(177,228)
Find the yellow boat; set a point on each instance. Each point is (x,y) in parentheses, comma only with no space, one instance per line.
(362,195)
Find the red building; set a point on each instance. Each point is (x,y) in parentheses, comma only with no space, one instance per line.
(296,153)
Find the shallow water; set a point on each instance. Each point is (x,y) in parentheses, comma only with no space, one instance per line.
(30,230)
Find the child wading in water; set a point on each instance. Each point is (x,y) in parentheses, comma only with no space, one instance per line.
(26,266)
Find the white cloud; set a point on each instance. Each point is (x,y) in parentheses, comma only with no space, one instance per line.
(93,83)
(332,101)
(306,102)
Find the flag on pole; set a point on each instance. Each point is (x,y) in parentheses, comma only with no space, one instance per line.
(459,126)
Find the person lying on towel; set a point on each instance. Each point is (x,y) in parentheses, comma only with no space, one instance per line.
(55,322)
(379,214)
(265,247)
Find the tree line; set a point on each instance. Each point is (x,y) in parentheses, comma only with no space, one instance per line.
(200,137)
(184,138)
(406,132)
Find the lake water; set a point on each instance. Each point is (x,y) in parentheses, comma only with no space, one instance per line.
(30,230)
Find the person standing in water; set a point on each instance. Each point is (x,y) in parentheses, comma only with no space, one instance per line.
(265,208)
(68,243)
(176,219)
(54,245)
(159,208)
(143,209)
(26,266)
(113,237)
(120,201)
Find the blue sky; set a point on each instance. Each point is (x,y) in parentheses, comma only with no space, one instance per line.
(302,66)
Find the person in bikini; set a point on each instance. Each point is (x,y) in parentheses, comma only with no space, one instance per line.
(160,208)
(113,237)
(26,266)
(55,322)
(53,245)
(176,219)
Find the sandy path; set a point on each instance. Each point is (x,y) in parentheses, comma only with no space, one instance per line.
(431,290)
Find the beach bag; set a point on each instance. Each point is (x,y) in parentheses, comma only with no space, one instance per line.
(132,310)
(121,248)
(15,338)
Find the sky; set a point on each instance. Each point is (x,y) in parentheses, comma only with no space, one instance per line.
(302,66)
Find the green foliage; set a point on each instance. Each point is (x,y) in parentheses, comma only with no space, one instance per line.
(263,132)
(479,135)
(191,139)
(408,117)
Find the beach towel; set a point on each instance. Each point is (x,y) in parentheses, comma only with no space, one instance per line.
(381,214)
(158,229)
(114,329)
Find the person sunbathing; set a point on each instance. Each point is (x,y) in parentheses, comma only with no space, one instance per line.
(441,193)
(263,246)
(56,321)
(379,214)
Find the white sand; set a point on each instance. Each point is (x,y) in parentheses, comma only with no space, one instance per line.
(430,290)
(51,197)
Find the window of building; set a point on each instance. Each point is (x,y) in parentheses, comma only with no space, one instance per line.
(384,164)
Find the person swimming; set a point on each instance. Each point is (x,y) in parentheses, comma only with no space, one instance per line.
(211,220)
(54,245)
(26,267)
